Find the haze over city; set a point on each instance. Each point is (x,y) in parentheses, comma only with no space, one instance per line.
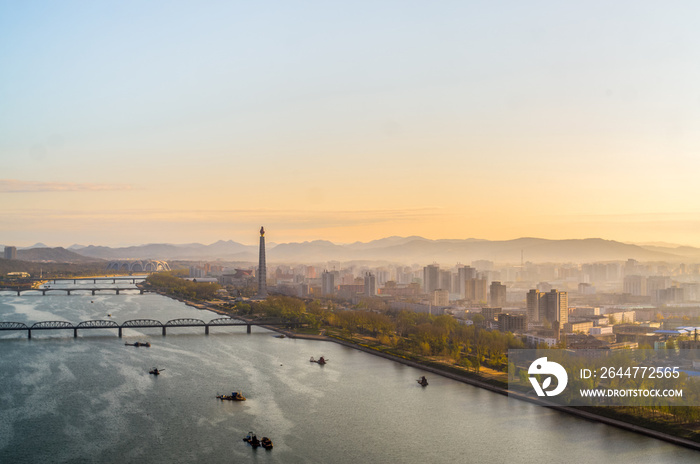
(128,123)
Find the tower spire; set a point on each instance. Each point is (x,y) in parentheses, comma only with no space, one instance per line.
(262,267)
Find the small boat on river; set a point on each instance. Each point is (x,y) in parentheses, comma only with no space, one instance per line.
(422,381)
(234,396)
(252,439)
(266,443)
(320,360)
(155,371)
(146,344)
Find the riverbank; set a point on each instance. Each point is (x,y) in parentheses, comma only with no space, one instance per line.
(469,379)
(587,415)
(512,394)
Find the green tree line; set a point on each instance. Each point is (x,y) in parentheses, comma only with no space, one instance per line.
(171,284)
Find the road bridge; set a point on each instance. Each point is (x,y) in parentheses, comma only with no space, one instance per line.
(142,323)
(68,291)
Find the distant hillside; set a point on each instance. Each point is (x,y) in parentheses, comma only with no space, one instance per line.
(685,251)
(406,250)
(420,250)
(228,250)
(55,255)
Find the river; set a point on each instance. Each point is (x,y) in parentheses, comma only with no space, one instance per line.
(91,399)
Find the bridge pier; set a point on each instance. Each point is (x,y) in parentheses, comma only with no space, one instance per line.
(68,292)
(75,333)
(141,291)
(75,281)
(206,330)
(19,293)
(117,291)
(248,330)
(164,331)
(29,333)
(94,281)
(120,332)
(93,293)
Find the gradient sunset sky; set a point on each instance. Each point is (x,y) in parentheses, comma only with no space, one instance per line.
(130,122)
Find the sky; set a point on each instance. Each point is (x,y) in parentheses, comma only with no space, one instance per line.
(132,122)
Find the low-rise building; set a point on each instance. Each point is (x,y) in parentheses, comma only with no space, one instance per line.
(572,327)
(534,340)
(601,330)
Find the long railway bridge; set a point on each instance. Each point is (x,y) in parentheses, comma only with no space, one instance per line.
(114,279)
(140,323)
(68,291)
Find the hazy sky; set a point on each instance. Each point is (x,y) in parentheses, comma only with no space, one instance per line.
(128,122)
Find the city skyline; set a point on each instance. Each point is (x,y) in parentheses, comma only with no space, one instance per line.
(129,123)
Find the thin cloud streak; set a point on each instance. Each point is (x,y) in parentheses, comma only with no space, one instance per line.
(25,186)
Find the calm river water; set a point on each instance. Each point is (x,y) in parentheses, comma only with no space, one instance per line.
(91,399)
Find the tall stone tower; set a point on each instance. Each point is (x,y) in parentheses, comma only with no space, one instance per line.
(262,267)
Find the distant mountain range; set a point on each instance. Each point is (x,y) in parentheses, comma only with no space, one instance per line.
(225,250)
(406,250)
(56,255)
(420,250)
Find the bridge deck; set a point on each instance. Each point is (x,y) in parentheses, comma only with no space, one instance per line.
(138,324)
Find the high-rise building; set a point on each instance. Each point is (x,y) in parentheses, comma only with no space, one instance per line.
(476,290)
(635,285)
(533,305)
(464,273)
(445,280)
(370,284)
(498,294)
(440,297)
(554,305)
(10,252)
(656,284)
(671,295)
(262,267)
(431,278)
(327,283)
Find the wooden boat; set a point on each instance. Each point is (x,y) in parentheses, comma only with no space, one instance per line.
(146,344)
(266,443)
(252,439)
(234,396)
(422,381)
(155,371)
(320,360)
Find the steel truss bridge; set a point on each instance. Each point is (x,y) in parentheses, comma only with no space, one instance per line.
(140,324)
(114,280)
(68,291)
